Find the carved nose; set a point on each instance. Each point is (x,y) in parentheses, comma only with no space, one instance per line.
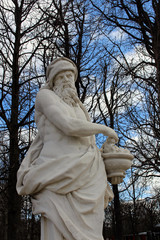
(65,78)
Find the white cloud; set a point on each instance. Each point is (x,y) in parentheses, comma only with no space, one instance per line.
(118,35)
(135,56)
(154,185)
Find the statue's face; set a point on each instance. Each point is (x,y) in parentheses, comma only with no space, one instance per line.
(64,87)
(65,78)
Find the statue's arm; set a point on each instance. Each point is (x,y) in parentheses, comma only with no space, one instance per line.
(50,106)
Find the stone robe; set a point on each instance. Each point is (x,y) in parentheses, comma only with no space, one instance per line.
(63,171)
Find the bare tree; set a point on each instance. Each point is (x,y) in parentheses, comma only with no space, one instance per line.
(75,38)
(111,99)
(139,21)
(19,42)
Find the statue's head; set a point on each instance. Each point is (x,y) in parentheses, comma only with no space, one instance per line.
(58,66)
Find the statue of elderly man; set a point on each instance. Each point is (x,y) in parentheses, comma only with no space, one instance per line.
(63,170)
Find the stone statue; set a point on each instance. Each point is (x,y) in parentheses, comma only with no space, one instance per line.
(63,170)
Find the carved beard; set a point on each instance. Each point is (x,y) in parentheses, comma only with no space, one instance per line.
(68,94)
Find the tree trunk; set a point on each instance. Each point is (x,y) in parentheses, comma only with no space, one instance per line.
(13,198)
(14,205)
(117,215)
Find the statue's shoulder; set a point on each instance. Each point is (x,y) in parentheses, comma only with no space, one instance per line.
(45,98)
(45,94)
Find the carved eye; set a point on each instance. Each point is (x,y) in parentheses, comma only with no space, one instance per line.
(69,75)
(60,77)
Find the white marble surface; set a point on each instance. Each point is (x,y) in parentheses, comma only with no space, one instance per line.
(63,170)
(117,161)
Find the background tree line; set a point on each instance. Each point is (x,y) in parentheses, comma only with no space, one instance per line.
(116,47)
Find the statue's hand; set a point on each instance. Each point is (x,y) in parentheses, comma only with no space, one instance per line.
(112,134)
